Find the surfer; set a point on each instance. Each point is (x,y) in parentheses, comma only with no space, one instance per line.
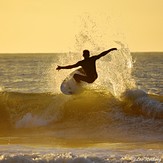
(88,64)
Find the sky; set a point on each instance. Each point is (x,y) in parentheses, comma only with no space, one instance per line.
(67,25)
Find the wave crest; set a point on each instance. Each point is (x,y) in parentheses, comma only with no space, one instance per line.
(139,102)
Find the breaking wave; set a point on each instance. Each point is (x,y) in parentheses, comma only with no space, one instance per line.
(91,113)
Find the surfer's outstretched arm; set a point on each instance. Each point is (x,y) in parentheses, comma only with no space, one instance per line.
(105,52)
(67,67)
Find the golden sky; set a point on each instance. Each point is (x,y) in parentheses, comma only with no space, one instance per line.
(60,25)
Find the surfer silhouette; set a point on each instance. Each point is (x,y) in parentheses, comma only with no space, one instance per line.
(88,64)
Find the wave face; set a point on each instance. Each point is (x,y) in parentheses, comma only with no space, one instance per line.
(92,114)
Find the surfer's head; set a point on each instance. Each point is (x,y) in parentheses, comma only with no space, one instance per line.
(86,53)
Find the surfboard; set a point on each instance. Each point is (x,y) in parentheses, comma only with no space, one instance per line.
(69,85)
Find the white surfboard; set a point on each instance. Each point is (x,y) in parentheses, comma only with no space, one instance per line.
(69,86)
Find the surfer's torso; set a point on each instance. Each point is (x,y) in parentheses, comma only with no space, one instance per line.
(89,67)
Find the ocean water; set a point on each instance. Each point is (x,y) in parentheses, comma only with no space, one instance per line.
(118,118)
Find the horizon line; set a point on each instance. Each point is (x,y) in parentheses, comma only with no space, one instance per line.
(69,52)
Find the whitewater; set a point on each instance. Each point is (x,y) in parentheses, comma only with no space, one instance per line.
(118,118)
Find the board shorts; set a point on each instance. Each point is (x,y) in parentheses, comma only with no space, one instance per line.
(88,79)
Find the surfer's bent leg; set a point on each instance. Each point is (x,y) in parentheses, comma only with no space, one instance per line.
(77,77)
(87,79)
